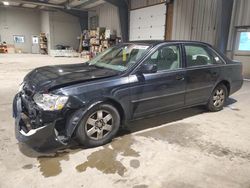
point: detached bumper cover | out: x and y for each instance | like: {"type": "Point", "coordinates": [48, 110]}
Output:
{"type": "Point", "coordinates": [43, 138]}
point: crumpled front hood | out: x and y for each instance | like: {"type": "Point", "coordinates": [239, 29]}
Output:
{"type": "Point", "coordinates": [52, 77]}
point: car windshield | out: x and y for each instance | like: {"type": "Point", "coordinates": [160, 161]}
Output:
{"type": "Point", "coordinates": [120, 58]}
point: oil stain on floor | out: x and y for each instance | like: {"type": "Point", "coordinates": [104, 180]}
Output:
{"type": "Point", "coordinates": [105, 160]}
{"type": "Point", "coordinates": [50, 166]}
{"type": "Point", "coordinates": [135, 163]}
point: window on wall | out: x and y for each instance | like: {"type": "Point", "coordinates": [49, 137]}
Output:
{"type": "Point", "coordinates": [18, 38]}
{"type": "Point", "coordinates": [243, 40]}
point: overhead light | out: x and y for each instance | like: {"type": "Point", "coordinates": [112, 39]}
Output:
{"type": "Point", "coordinates": [6, 3]}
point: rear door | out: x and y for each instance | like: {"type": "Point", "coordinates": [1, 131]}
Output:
{"type": "Point", "coordinates": [163, 90]}
{"type": "Point", "coordinates": [202, 72]}
{"type": "Point", "coordinates": [35, 44]}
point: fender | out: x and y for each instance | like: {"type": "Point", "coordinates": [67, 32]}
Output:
{"type": "Point", "coordinates": [76, 118]}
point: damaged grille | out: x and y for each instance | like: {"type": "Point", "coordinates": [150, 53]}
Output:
{"type": "Point", "coordinates": [28, 106]}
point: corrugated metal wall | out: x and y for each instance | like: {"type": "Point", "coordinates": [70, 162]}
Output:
{"type": "Point", "coordinates": [108, 17]}
{"type": "Point", "coordinates": [242, 14]}
{"type": "Point", "coordinates": [240, 18]}
{"type": "Point", "coordinates": [196, 20]}
{"type": "Point", "coordinates": [134, 4]}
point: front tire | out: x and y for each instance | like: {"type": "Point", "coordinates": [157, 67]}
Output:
{"type": "Point", "coordinates": [217, 98]}
{"type": "Point", "coordinates": [98, 126]}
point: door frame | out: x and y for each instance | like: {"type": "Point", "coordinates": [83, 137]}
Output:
{"type": "Point", "coordinates": [169, 20]}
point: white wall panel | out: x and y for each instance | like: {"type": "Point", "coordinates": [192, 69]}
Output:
{"type": "Point", "coordinates": [148, 23]}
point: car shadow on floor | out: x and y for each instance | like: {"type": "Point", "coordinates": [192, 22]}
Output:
{"type": "Point", "coordinates": [166, 118]}
{"type": "Point", "coordinates": [133, 127]}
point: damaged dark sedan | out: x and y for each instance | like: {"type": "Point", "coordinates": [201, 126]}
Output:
{"type": "Point", "coordinates": [89, 102]}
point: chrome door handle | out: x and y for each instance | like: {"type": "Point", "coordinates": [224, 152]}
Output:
{"type": "Point", "coordinates": [179, 77]}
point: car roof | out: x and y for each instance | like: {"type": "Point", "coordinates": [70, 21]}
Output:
{"type": "Point", "coordinates": [156, 42]}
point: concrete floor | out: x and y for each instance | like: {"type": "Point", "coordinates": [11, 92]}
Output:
{"type": "Point", "coordinates": [183, 149]}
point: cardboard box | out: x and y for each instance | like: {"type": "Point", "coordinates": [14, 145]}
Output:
{"type": "Point", "coordinates": [11, 49]}
{"type": "Point", "coordinates": [92, 33]}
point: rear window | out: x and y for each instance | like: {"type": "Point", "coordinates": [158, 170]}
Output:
{"type": "Point", "coordinates": [197, 56]}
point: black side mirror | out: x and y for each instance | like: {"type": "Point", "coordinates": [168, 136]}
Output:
{"type": "Point", "coordinates": [148, 68]}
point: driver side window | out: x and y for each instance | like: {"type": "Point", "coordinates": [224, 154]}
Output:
{"type": "Point", "coordinates": [166, 58]}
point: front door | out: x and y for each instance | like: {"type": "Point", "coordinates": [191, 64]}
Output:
{"type": "Point", "coordinates": [35, 44]}
{"type": "Point", "coordinates": [160, 91]}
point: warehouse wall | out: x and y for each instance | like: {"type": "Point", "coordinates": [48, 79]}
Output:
{"type": "Point", "coordinates": [15, 21]}
{"type": "Point", "coordinates": [240, 19]}
{"type": "Point", "coordinates": [61, 28]}
{"type": "Point", "coordinates": [64, 29]}
{"type": "Point", "coordinates": [196, 20]}
{"type": "Point", "coordinates": [108, 17]}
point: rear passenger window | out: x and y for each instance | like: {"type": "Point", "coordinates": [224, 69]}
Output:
{"type": "Point", "coordinates": [197, 56]}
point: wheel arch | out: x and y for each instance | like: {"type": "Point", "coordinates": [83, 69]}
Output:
{"type": "Point", "coordinates": [75, 119]}
{"type": "Point", "coordinates": [118, 106]}
{"type": "Point", "coordinates": [227, 84]}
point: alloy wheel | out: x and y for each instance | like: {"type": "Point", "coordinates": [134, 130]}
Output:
{"type": "Point", "coordinates": [99, 124]}
{"type": "Point", "coordinates": [219, 97]}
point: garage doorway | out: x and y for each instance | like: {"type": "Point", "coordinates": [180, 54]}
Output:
{"type": "Point", "coordinates": [148, 23]}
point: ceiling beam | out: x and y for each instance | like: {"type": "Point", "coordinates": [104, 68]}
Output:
{"type": "Point", "coordinates": [86, 3]}
{"type": "Point", "coordinates": [80, 2]}
{"type": "Point", "coordinates": [45, 3]}
{"type": "Point", "coordinates": [36, 3]}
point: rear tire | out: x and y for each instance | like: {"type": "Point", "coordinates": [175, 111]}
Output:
{"type": "Point", "coordinates": [217, 98]}
{"type": "Point", "coordinates": [98, 126]}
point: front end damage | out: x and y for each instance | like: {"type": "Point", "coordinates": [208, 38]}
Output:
{"type": "Point", "coordinates": [44, 130]}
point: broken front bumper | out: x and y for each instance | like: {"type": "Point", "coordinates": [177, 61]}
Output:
{"type": "Point", "coordinates": [41, 138]}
